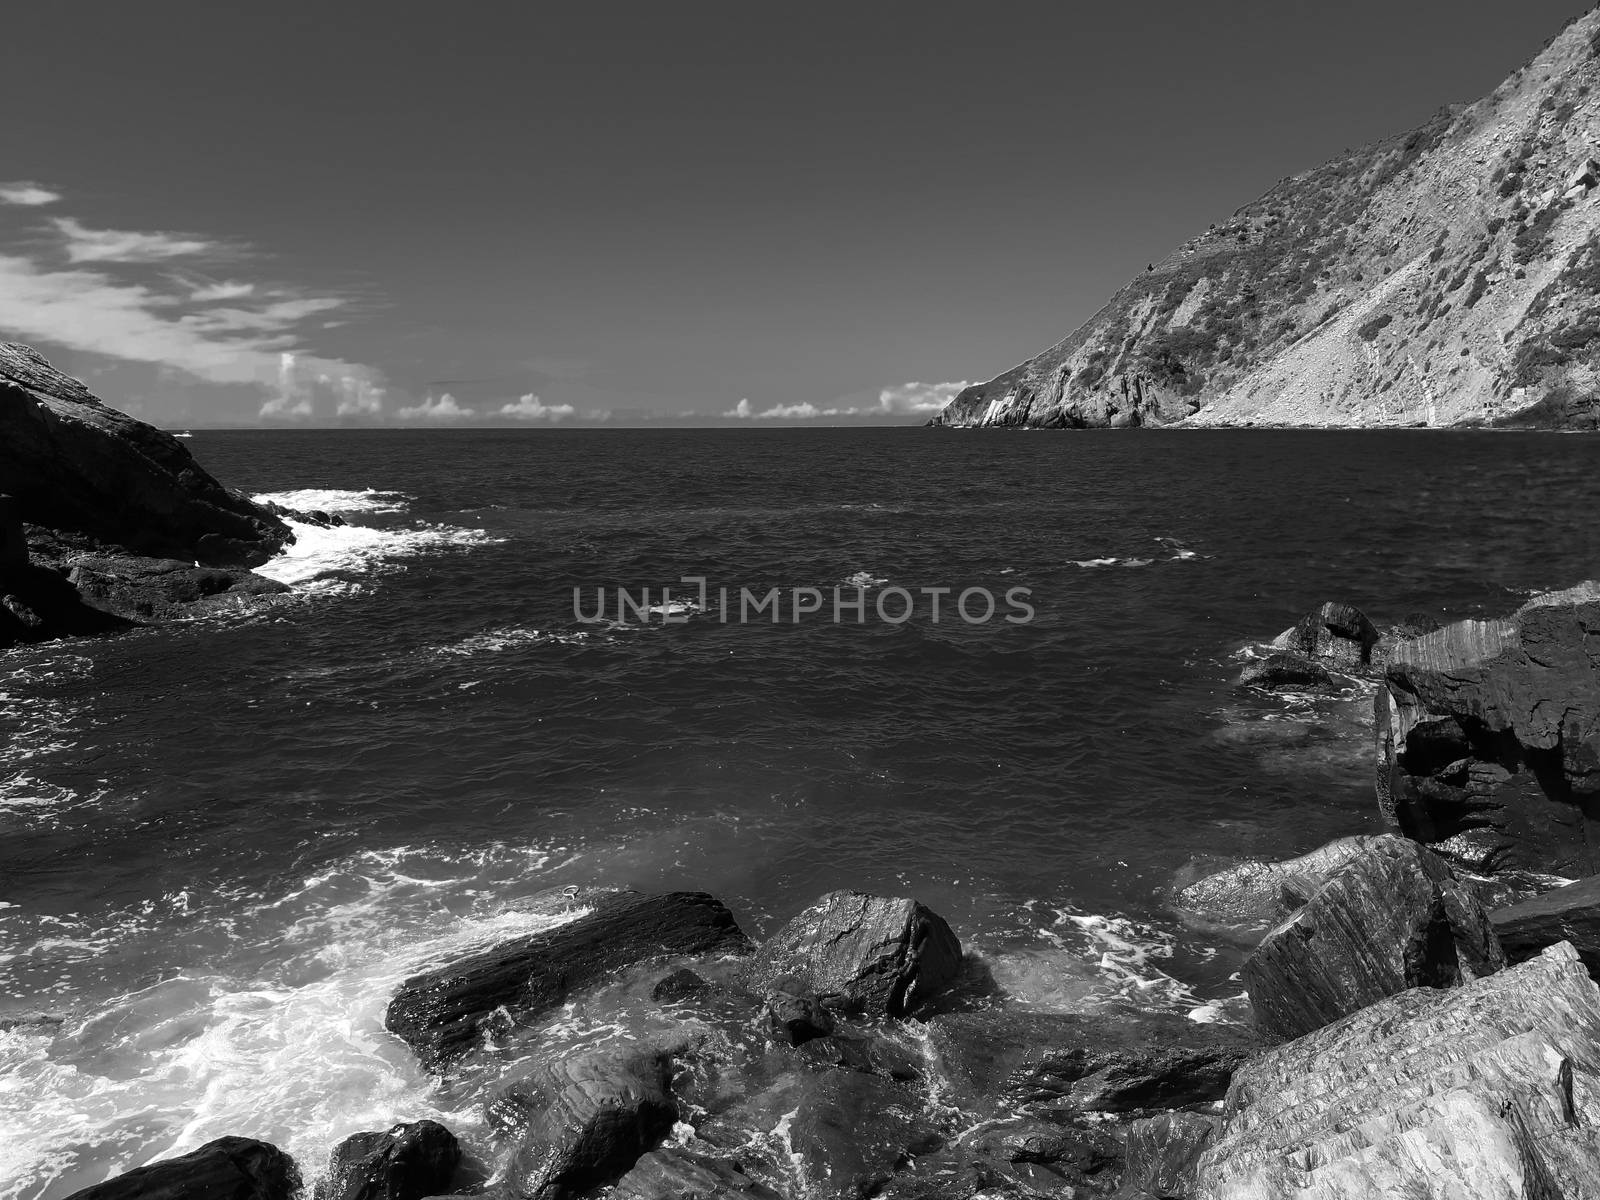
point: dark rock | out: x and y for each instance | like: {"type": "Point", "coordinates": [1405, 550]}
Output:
{"type": "Point", "coordinates": [1488, 1090]}
{"type": "Point", "coordinates": [852, 1131]}
{"type": "Point", "coordinates": [443, 1013]}
{"type": "Point", "coordinates": [1285, 671]}
{"type": "Point", "coordinates": [857, 1051]}
{"type": "Point", "coordinates": [863, 954]}
{"type": "Point", "coordinates": [1393, 917]}
{"type": "Point", "coordinates": [230, 1168]}
{"type": "Point", "coordinates": [1118, 1061]}
{"type": "Point", "coordinates": [682, 984]}
{"type": "Point", "coordinates": [406, 1162]}
{"type": "Point", "coordinates": [586, 1121]}
{"type": "Point", "coordinates": [153, 589]}
{"type": "Point", "coordinates": [31, 1022]}
{"type": "Point", "coordinates": [1071, 1147]}
{"type": "Point", "coordinates": [1163, 1153]}
{"type": "Point", "coordinates": [13, 545]}
{"type": "Point", "coordinates": [74, 464]}
{"type": "Point", "coordinates": [1488, 736]}
{"type": "Point", "coordinates": [676, 1174]}
{"type": "Point", "coordinates": [1337, 633]}
{"type": "Point", "coordinates": [794, 1016]}
{"type": "Point", "coordinates": [1261, 894]}
{"type": "Point", "coordinates": [1567, 914]}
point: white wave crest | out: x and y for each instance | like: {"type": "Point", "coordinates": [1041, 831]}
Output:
{"type": "Point", "coordinates": [326, 559]}
{"type": "Point", "coordinates": [337, 500]}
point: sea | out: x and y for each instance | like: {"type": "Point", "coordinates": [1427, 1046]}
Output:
{"type": "Point", "coordinates": [223, 842]}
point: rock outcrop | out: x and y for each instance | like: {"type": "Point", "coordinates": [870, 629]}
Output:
{"type": "Point", "coordinates": [1393, 917]}
{"type": "Point", "coordinates": [1259, 894]}
{"type": "Point", "coordinates": [406, 1162]}
{"type": "Point", "coordinates": [444, 1013]}
{"type": "Point", "coordinates": [862, 954]}
{"type": "Point", "coordinates": [1489, 738]}
{"type": "Point", "coordinates": [1488, 1090]}
{"type": "Point", "coordinates": [230, 1168]}
{"type": "Point", "coordinates": [1568, 914]}
{"type": "Point", "coordinates": [1446, 276]}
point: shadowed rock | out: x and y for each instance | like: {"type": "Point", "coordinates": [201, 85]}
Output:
{"type": "Point", "coordinates": [444, 1013]}
{"type": "Point", "coordinates": [863, 954]}
{"type": "Point", "coordinates": [794, 1016]}
{"type": "Point", "coordinates": [675, 1174]}
{"type": "Point", "coordinates": [1163, 1153]}
{"type": "Point", "coordinates": [406, 1162]}
{"type": "Point", "coordinates": [1336, 633]}
{"type": "Point", "coordinates": [1567, 914]}
{"type": "Point", "coordinates": [1392, 917]}
{"type": "Point", "coordinates": [1283, 671]}
{"type": "Point", "coordinates": [852, 1131]}
{"type": "Point", "coordinates": [230, 1168]}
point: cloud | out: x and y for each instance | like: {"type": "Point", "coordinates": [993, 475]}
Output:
{"type": "Point", "coordinates": [741, 410]}
{"type": "Point", "coordinates": [529, 408]}
{"type": "Point", "coordinates": [918, 397]}
{"type": "Point", "coordinates": [221, 291]}
{"type": "Point", "coordinates": [28, 195]}
{"type": "Point", "coordinates": [444, 408]}
{"type": "Point", "coordinates": [901, 399]}
{"type": "Point", "coordinates": [85, 245]}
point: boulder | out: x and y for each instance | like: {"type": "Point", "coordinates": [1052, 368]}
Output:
{"type": "Point", "coordinates": [857, 1050]}
{"type": "Point", "coordinates": [585, 1121]}
{"type": "Point", "coordinates": [672, 1173]}
{"type": "Point", "coordinates": [445, 1012]}
{"type": "Point", "coordinates": [1163, 1153]}
{"type": "Point", "coordinates": [794, 1016]}
{"type": "Point", "coordinates": [1283, 671]}
{"type": "Point", "coordinates": [1567, 914]}
{"type": "Point", "coordinates": [405, 1162]}
{"type": "Point", "coordinates": [1257, 894]}
{"type": "Point", "coordinates": [1337, 633]}
{"type": "Point", "coordinates": [230, 1168]}
{"type": "Point", "coordinates": [1391, 918]}
{"type": "Point", "coordinates": [73, 464]}
{"type": "Point", "coordinates": [863, 954]}
{"type": "Point", "coordinates": [682, 984]}
{"type": "Point", "coordinates": [852, 1131]}
{"type": "Point", "coordinates": [1086, 1151]}
{"type": "Point", "coordinates": [1488, 738]}
{"type": "Point", "coordinates": [1487, 1090]}
{"type": "Point", "coordinates": [1116, 1061]}
{"type": "Point", "coordinates": [144, 590]}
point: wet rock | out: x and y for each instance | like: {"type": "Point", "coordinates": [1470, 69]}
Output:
{"type": "Point", "coordinates": [230, 1168]}
{"type": "Point", "coordinates": [1027, 1140]}
{"type": "Point", "coordinates": [964, 1172]}
{"type": "Point", "coordinates": [858, 1051]}
{"type": "Point", "coordinates": [1488, 1090]}
{"type": "Point", "coordinates": [1283, 671]}
{"type": "Point", "coordinates": [144, 590]}
{"type": "Point", "coordinates": [863, 954]}
{"type": "Point", "coordinates": [1163, 1153]}
{"type": "Point", "coordinates": [444, 1013]}
{"type": "Point", "coordinates": [1567, 914]}
{"type": "Point", "coordinates": [1336, 633]}
{"type": "Point", "coordinates": [682, 984]}
{"type": "Point", "coordinates": [405, 1162]}
{"type": "Point", "coordinates": [1115, 1061]}
{"type": "Point", "coordinates": [31, 1023]}
{"type": "Point", "coordinates": [1488, 737]}
{"type": "Point", "coordinates": [852, 1131]}
{"type": "Point", "coordinates": [794, 1016]}
{"type": "Point", "coordinates": [1392, 917]}
{"type": "Point", "coordinates": [1261, 894]}
{"type": "Point", "coordinates": [585, 1121]}
{"type": "Point", "coordinates": [676, 1174]}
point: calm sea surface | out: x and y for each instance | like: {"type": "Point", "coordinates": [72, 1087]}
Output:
{"type": "Point", "coordinates": [222, 842]}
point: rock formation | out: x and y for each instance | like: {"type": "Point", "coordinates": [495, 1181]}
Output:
{"type": "Point", "coordinates": [230, 1168]}
{"type": "Point", "coordinates": [406, 1162]}
{"type": "Point", "coordinates": [1446, 276]}
{"type": "Point", "coordinates": [1568, 914]}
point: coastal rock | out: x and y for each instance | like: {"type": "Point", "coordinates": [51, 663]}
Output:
{"type": "Point", "coordinates": [445, 1012]}
{"type": "Point", "coordinates": [1258, 894]}
{"type": "Point", "coordinates": [74, 464]}
{"type": "Point", "coordinates": [1488, 737]}
{"type": "Point", "coordinates": [1488, 1090]}
{"type": "Point", "coordinates": [682, 984]}
{"type": "Point", "coordinates": [142, 590]}
{"type": "Point", "coordinates": [852, 1131]}
{"type": "Point", "coordinates": [794, 1016]}
{"type": "Point", "coordinates": [863, 954]}
{"type": "Point", "coordinates": [676, 1174]}
{"type": "Point", "coordinates": [1336, 633]}
{"type": "Point", "coordinates": [1116, 1061]}
{"type": "Point", "coordinates": [230, 1168]}
{"type": "Point", "coordinates": [585, 1120]}
{"type": "Point", "coordinates": [1085, 1151]}
{"type": "Point", "coordinates": [856, 1050]}
{"type": "Point", "coordinates": [1393, 917]}
{"type": "Point", "coordinates": [405, 1162]}
{"type": "Point", "coordinates": [1163, 1154]}
{"type": "Point", "coordinates": [1568, 914]}
{"type": "Point", "coordinates": [1284, 671]}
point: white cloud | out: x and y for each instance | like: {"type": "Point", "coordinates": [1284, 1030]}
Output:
{"type": "Point", "coordinates": [28, 195]}
{"type": "Point", "coordinates": [444, 408]}
{"type": "Point", "coordinates": [741, 410]}
{"type": "Point", "coordinates": [918, 397]}
{"type": "Point", "coordinates": [529, 408]}
{"type": "Point", "coordinates": [221, 291]}
{"type": "Point", "coordinates": [125, 245]}
{"type": "Point", "coordinates": [902, 399]}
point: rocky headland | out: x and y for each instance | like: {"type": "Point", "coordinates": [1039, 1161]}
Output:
{"type": "Point", "coordinates": [1449, 276]}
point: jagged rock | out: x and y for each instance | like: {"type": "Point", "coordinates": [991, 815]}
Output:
{"type": "Point", "coordinates": [1488, 737]}
{"type": "Point", "coordinates": [1284, 670]}
{"type": "Point", "coordinates": [675, 1174]}
{"type": "Point", "coordinates": [858, 1051]}
{"type": "Point", "coordinates": [585, 1121]}
{"type": "Point", "coordinates": [443, 1013]}
{"type": "Point", "coordinates": [1488, 1090]}
{"type": "Point", "coordinates": [230, 1168]}
{"type": "Point", "coordinates": [1261, 894]}
{"type": "Point", "coordinates": [405, 1162]}
{"type": "Point", "coordinates": [1163, 1153]}
{"type": "Point", "coordinates": [74, 464]}
{"type": "Point", "coordinates": [794, 1016]}
{"type": "Point", "coordinates": [682, 984]}
{"type": "Point", "coordinates": [1117, 1061]}
{"type": "Point", "coordinates": [1393, 917]}
{"type": "Point", "coordinates": [852, 1131]}
{"type": "Point", "coordinates": [863, 954]}
{"type": "Point", "coordinates": [1567, 914]}
{"type": "Point", "coordinates": [1338, 633]}
{"type": "Point", "coordinates": [142, 590]}
{"type": "Point", "coordinates": [1028, 1140]}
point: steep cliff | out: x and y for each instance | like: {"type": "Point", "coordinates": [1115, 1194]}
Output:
{"type": "Point", "coordinates": [1448, 276]}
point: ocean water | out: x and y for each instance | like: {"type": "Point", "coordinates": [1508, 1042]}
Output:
{"type": "Point", "coordinates": [223, 842]}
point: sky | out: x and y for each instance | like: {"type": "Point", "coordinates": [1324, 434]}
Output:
{"type": "Point", "coordinates": [700, 212]}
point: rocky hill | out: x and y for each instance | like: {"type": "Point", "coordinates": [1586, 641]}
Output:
{"type": "Point", "coordinates": [1447, 276]}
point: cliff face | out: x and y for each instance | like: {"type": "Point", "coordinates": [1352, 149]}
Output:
{"type": "Point", "coordinates": [1448, 276]}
